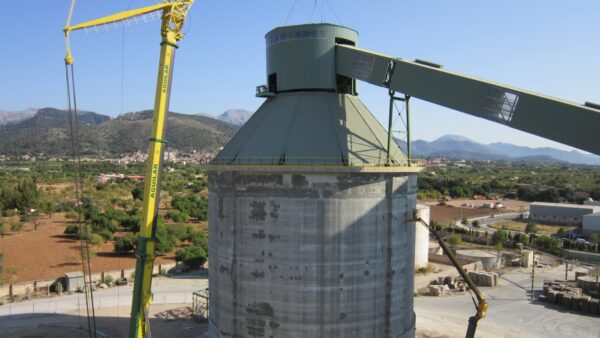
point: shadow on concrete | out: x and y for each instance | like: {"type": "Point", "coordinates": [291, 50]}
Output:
{"type": "Point", "coordinates": [171, 323]}
{"type": "Point", "coordinates": [562, 309]}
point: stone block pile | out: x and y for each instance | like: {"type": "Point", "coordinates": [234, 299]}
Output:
{"type": "Point", "coordinates": [482, 278]}
{"type": "Point", "coordinates": [442, 285]}
{"type": "Point", "coordinates": [567, 295]}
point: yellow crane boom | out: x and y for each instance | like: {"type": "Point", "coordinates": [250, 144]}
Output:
{"type": "Point", "coordinates": [173, 16]}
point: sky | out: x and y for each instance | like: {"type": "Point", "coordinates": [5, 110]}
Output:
{"type": "Point", "coordinates": [548, 46]}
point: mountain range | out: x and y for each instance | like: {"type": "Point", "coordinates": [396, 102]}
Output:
{"type": "Point", "coordinates": [7, 116]}
{"type": "Point", "coordinates": [35, 131]}
{"type": "Point", "coordinates": [459, 147]}
{"type": "Point", "coordinates": [235, 116]}
{"type": "Point", "coordinates": [47, 132]}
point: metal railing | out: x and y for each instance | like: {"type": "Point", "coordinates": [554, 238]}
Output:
{"type": "Point", "coordinates": [361, 161]}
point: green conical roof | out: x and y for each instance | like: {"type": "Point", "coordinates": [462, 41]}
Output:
{"type": "Point", "coordinates": [311, 128]}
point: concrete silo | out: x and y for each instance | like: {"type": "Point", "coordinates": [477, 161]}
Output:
{"type": "Point", "coordinates": [308, 230]}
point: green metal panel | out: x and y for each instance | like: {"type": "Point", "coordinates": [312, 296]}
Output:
{"type": "Point", "coordinates": [558, 120]}
{"type": "Point", "coordinates": [303, 56]}
{"type": "Point", "coordinates": [310, 128]}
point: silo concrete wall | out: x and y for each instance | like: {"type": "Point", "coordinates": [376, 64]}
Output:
{"type": "Point", "coordinates": [311, 254]}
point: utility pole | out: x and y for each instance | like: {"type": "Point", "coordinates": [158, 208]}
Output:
{"type": "Point", "coordinates": [532, 276]}
{"type": "Point", "coordinates": [566, 270]}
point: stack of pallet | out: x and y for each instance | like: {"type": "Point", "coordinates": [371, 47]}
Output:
{"type": "Point", "coordinates": [482, 278]}
{"type": "Point", "coordinates": [568, 296]}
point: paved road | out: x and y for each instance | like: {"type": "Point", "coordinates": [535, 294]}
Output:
{"type": "Point", "coordinates": [510, 313]}
{"type": "Point", "coordinates": [166, 291]}
{"type": "Point", "coordinates": [485, 221]}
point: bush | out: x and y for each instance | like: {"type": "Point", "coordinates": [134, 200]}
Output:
{"type": "Point", "coordinates": [531, 228]}
{"type": "Point", "coordinates": [108, 279]}
{"type": "Point", "coordinates": [96, 239]}
{"type": "Point", "coordinates": [25, 218]}
{"type": "Point", "coordinates": [546, 242]}
{"type": "Point", "coordinates": [193, 256]}
{"type": "Point", "coordinates": [125, 244]}
{"type": "Point", "coordinates": [72, 215]}
{"type": "Point", "coordinates": [179, 232]}
{"type": "Point", "coordinates": [198, 239]}
{"type": "Point", "coordinates": [8, 213]}
{"type": "Point", "coordinates": [476, 224]}
{"type": "Point", "coordinates": [178, 216]}
{"type": "Point", "coordinates": [16, 226]}
{"type": "Point", "coordinates": [455, 240]}
{"type": "Point", "coordinates": [71, 229]}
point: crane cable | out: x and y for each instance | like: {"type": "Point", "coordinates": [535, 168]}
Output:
{"type": "Point", "coordinates": [83, 229]}
{"type": "Point", "coordinates": [76, 156]}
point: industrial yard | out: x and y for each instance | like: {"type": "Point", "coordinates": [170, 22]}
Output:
{"type": "Point", "coordinates": [511, 312]}
{"type": "Point", "coordinates": [436, 316]}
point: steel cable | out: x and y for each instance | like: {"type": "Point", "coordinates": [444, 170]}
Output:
{"type": "Point", "coordinates": [76, 155]}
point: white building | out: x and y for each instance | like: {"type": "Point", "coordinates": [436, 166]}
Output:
{"type": "Point", "coordinates": [560, 213]}
{"type": "Point", "coordinates": [591, 202]}
{"type": "Point", "coordinates": [422, 238]}
{"type": "Point", "coordinates": [591, 223]}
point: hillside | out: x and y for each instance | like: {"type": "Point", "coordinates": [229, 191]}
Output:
{"type": "Point", "coordinates": [130, 132]}
{"type": "Point", "coordinates": [47, 133]}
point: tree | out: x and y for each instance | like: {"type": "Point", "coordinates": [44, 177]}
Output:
{"type": "Point", "coordinates": [137, 193]}
{"type": "Point", "coordinates": [192, 205]}
{"type": "Point", "coordinates": [561, 232]}
{"type": "Point", "coordinates": [476, 224]}
{"type": "Point", "coordinates": [71, 229]}
{"type": "Point", "coordinates": [531, 228]}
{"type": "Point", "coordinates": [594, 238]}
{"type": "Point", "coordinates": [2, 229]}
{"type": "Point", "coordinates": [521, 238]}
{"type": "Point", "coordinates": [29, 195]}
{"type": "Point", "coordinates": [464, 221]}
{"type": "Point", "coordinates": [49, 209]}
{"type": "Point", "coordinates": [164, 242]}
{"type": "Point", "coordinates": [500, 236]}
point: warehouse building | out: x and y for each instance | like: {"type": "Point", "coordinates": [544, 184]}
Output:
{"type": "Point", "coordinates": [560, 213]}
